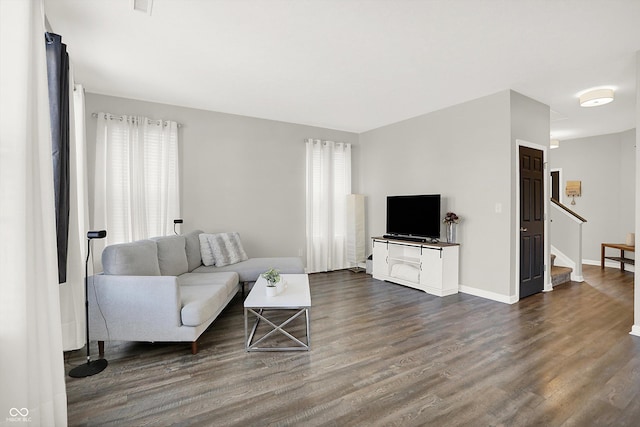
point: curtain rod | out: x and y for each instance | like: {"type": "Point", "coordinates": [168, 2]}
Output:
{"type": "Point", "coordinates": [95, 116]}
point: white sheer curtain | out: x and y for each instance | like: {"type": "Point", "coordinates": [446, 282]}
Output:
{"type": "Point", "coordinates": [31, 357]}
{"type": "Point", "coordinates": [137, 179]}
{"type": "Point", "coordinates": [72, 291]}
{"type": "Point", "coordinates": [328, 184]}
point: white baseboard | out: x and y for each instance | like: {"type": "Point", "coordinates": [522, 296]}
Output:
{"type": "Point", "coordinates": [609, 263]}
{"type": "Point", "coordinates": [635, 330]}
{"type": "Point", "coordinates": [488, 295]}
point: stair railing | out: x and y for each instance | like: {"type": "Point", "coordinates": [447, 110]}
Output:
{"type": "Point", "coordinates": [566, 238]}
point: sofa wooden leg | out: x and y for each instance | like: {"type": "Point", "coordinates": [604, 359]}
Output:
{"type": "Point", "coordinates": [194, 347]}
{"type": "Point", "coordinates": [101, 348]}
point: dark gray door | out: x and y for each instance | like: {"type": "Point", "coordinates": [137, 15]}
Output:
{"type": "Point", "coordinates": [531, 221]}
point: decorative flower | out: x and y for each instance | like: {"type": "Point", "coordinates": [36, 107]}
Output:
{"type": "Point", "coordinates": [451, 218]}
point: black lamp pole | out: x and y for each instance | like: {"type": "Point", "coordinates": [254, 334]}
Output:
{"type": "Point", "coordinates": [176, 221]}
{"type": "Point", "coordinates": [96, 366]}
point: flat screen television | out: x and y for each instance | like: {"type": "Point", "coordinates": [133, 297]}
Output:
{"type": "Point", "coordinates": [414, 216]}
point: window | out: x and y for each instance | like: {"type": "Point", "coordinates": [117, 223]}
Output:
{"type": "Point", "coordinates": [137, 177]}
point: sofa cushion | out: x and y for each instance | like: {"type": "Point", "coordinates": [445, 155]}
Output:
{"type": "Point", "coordinates": [193, 249]}
{"type": "Point", "coordinates": [221, 249]}
{"type": "Point", "coordinates": [138, 258]}
{"type": "Point", "coordinates": [172, 255]}
{"type": "Point", "coordinates": [250, 270]}
{"type": "Point", "coordinates": [202, 295]}
{"type": "Point", "coordinates": [229, 280]}
{"type": "Point", "coordinates": [200, 302]}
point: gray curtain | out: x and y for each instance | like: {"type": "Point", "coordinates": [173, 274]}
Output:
{"type": "Point", "coordinates": [58, 76]}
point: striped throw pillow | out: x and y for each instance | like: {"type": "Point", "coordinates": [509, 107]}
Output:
{"type": "Point", "coordinates": [221, 249]}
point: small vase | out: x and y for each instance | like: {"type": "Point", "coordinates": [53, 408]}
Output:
{"type": "Point", "coordinates": [451, 232]}
{"type": "Point", "coordinates": [272, 291]}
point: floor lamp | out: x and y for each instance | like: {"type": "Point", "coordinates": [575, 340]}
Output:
{"type": "Point", "coordinates": [176, 221]}
{"type": "Point", "coordinates": [96, 366]}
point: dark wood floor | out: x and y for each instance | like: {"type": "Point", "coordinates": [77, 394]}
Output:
{"type": "Point", "coordinates": [383, 354]}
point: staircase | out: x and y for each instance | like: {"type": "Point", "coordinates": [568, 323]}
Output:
{"type": "Point", "coordinates": [565, 233]}
{"type": "Point", "coordinates": [559, 275]}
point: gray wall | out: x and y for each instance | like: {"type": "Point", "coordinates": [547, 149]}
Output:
{"type": "Point", "coordinates": [238, 173]}
{"type": "Point", "coordinates": [466, 153]}
{"type": "Point", "coordinates": [247, 175]}
{"type": "Point", "coordinates": [606, 166]}
{"type": "Point", "coordinates": [462, 153]}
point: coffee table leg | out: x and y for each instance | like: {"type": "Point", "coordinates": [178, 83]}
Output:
{"type": "Point", "coordinates": [250, 345]}
{"type": "Point", "coordinates": [308, 316]}
{"type": "Point", "coordinates": [246, 331]}
{"type": "Point", "coordinates": [249, 336]}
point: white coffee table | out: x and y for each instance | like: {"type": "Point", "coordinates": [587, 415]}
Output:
{"type": "Point", "coordinates": [296, 296]}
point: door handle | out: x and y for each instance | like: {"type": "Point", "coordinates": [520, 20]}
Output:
{"type": "Point", "coordinates": [523, 229]}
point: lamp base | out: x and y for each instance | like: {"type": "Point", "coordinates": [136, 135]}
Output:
{"type": "Point", "coordinates": [89, 368]}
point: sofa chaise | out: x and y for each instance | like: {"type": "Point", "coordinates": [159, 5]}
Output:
{"type": "Point", "coordinates": [159, 290]}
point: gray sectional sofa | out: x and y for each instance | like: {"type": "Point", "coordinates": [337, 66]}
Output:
{"type": "Point", "coordinates": [158, 290]}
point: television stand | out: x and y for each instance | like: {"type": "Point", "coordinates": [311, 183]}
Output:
{"type": "Point", "coordinates": [429, 267]}
{"type": "Point", "coordinates": [406, 238]}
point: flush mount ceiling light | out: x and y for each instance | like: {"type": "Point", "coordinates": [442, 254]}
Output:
{"type": "Point", "coordinates": [596, 97]}
{"type": "Point", "coordinates": [554, 143]}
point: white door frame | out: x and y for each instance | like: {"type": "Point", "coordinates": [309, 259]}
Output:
{"type": "Point", "coordinates": [561, 193]}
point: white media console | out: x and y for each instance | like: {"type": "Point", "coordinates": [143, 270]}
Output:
{"type": "Point", "coordinates": [430, 267]}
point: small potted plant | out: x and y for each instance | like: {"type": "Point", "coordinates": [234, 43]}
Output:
{"type": "Point", "coordinates": [272, 276]}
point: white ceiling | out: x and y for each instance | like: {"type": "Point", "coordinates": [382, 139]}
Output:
{"type": "Point", "coordinates": [357, 65]}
